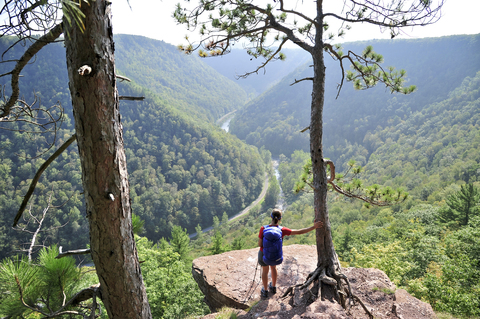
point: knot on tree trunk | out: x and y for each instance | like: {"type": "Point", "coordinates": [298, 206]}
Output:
{"type": "Point", "coordinates": [85, 70]}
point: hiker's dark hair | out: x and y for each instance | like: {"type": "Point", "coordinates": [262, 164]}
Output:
{"type": "Point", "coordinates": [276, 215]}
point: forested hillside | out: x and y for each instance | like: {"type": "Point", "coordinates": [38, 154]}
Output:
{"type": "Point", "coordinates": [183, 170]}
{"type": "Point", "coordinates": [433, 147]}
{"type": "Point", "coordinates": [181, 80]}
{"type": "Point", "coordinates": [436, 66]}
{"type": "Point", "coordinates": [183, 173]}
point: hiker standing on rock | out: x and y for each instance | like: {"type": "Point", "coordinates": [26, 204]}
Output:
{"type": "Point", "coordinates": [270, 254]}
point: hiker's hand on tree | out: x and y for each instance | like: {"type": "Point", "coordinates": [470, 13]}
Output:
{"type": "Point", "coordinates": [318, 224]}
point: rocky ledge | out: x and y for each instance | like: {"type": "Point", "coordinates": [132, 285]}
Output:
{"type": "Point", "coordinates": [232, 280]}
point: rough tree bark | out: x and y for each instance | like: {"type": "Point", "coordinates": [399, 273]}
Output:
{"type": "Point", "coordinates": [91, 71]}
{"type": "Point", "coordinates": [328, 263]}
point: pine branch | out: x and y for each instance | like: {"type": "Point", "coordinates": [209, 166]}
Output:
{"type": "Point", "coordinates": [374, 194]}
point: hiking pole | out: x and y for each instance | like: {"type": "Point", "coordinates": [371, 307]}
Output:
{"type": "Point", "coordinates": [253, 282]}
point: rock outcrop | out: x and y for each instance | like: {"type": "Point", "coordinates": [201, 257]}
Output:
{"type": "Point", "coordinates": [233, 280]}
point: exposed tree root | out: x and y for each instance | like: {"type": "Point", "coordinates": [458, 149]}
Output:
{"type": "Point", "coordinates": [363, 306]}
{"type": "Point", "coordinates": [335, 280]}
{"type": "Point", "coordinates": [339, 277]}
{"type": "Point", "coordinates": [290, 291]}
{"type": "Point", "coordinates": [312, 276]}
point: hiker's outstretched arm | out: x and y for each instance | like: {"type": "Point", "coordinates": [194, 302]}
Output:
{"type": "Point", "coordinates": [306, 230]}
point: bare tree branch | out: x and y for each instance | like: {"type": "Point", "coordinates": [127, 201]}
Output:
{"type": "Point", "coordinates": [83, 295]}
{"type": "Point", "coordinates": [122, 78]}
{"type": "Point", "coordinates": [24, 19]}
{"type": "Point", "coordinates": [294, 12]}
{"type": "Point", "coordinates": [31, 51]}
{"type": "Point", "coordinates": [262, 66]}
{"type": "Point", "coordinates": [131, 98]}
{"type": "Point", "coordinates": [72, 252]}
{"type": "Point", "coordinates": [38, 174]}
{"type": "Point", "coordinates": [392, 15]}
{"type": "Point", "coordinates": [44, 119]}
{"type": "Point", "coordinates": [305, 129]}
{"type": "Point", "coordinates": [298, 81]}
{"type": "Point", "coordinates": [40, 222]}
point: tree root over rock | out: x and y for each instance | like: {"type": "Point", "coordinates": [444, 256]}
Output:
{"type": "Point", "coordinates": [334, 279]}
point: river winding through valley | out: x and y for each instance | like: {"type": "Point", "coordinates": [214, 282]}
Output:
{"type": "Point", "coordinates": [224, 123]}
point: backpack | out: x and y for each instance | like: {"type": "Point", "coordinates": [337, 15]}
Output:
{"type": "Point", "coordinates": [272, 245]}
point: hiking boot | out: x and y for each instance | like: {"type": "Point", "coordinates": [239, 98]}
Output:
{"type": "Point", "coordinates": [264, 293]}
{"type": "Point", "coordinates": [272, 289]}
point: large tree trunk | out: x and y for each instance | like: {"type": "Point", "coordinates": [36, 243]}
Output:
{"type": "Point", "coordinates": [328, 263]}
{"type": "Point", "coordinates": [104, 171]}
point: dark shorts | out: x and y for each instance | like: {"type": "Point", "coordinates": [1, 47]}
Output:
{"type": "Point", "coordinates": [260, 259]}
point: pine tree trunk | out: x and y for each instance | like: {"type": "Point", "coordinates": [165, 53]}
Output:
{"type": "Point", "coordinates": [327, 258]}
{"type": "Point", "coordinates": [104, 171]}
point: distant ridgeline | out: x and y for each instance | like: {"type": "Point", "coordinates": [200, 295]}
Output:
{"type": "Point", "coordinates": [435, 65]}
{"type": "Point", "coordinates": [183, 170]}
{"type": "Point", "coordinates": [182, 81]}
{"type": "Point", "coordinates": [237, 63]}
